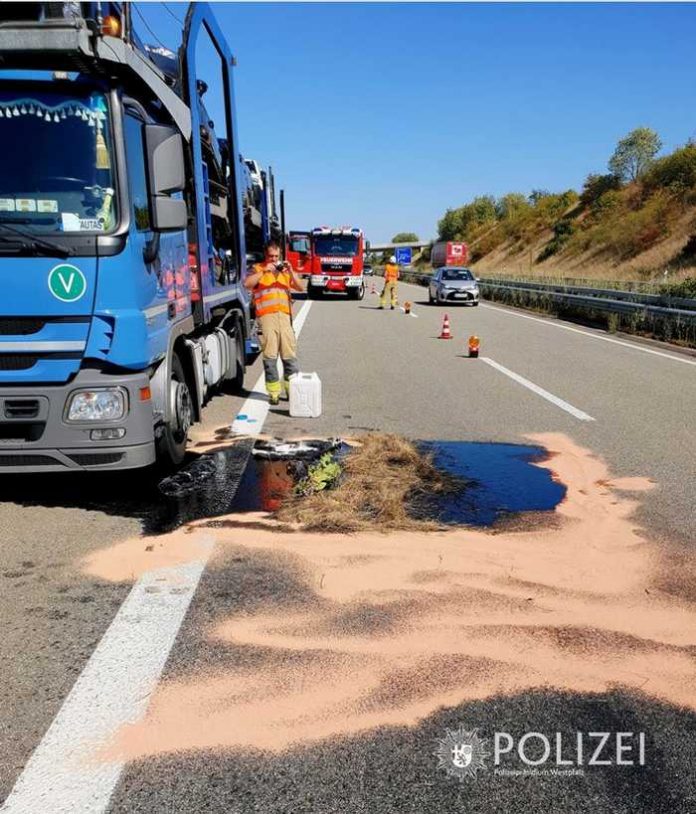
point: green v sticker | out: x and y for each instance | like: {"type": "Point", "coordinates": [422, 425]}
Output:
{"type": "Point", "coordinates": [67, 283]}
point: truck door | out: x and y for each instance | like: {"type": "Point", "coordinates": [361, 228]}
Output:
{"type": "Point", "coordinates": [162, 288]}
{"type": "Point", "coordinates": [217, 199]}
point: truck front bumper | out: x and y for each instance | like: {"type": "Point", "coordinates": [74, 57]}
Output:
{"type": "Point", "coordinates": [35, 435]}
{"type": "Point", "coordinates": [337, 282]}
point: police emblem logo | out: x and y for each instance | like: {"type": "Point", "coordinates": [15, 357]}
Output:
{"type": "Point", "coordinates": [461, 753]}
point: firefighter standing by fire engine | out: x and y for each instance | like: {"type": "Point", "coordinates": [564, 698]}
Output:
{"type": "Point", "coordinates": [391, 275]}
{"type": "Point", "coordinates": [271, 283]}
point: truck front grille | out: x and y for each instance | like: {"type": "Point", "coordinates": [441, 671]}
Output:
{"type": "Point", "coordinates": [24, 361]}
{"type": "Point", "coordinates": [20, 326]}
{"type": "Point", "coordinates": [16, 361]}
{"type": "Point", "coordinates": [21, 408]}
{"type": "Point", "coordinates": [337, 268]}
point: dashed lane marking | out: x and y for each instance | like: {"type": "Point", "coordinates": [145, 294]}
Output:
{"type": "Point", "coordinates": [630, 345]}
{"type": "Point", "coordinates": [63, 775]}
{"type": "Point", "coordinates": [579, 414]}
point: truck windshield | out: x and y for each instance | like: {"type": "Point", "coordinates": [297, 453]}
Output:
{"type": "Point", "coordinates": [336, 246]}
{"type": "Point", "coordinates": [56, 161]}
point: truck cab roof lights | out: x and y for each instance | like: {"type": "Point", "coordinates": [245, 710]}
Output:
{"type": "Point", "coordinates": [111, 26]}
{"type": "Point", "coordinates": [345, 230]}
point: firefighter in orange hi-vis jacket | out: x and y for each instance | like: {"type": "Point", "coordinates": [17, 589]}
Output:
{"type": "Point", "coordinates": [271, 283]}
{"type": "Point", "coordinates": [391, 275]}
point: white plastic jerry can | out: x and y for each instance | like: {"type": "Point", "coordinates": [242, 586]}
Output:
{"type": "Point", "coordinates": [305, 395]}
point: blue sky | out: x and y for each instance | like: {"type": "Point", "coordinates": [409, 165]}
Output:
{"type": "Point", "coordinates": [382, 115]}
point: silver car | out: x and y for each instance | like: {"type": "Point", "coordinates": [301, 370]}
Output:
{"type": "Point", "coordinates": [453, 284]}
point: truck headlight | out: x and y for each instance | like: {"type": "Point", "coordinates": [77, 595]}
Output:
{"type": "Point", "coordinates": [108, 404]}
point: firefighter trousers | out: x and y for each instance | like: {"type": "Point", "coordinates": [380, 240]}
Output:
{"type": "Point", "coordinates": [278, 339]}
{"type": "Point", "coordinates": [389, 289]}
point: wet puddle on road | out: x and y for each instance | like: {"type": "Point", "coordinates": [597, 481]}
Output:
{"type": "Point", "coordinates": [497, 480]}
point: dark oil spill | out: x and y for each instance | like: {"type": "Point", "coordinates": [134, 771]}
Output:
{"type": "Point", "coordinates": [266, 483]}
{"type": "Point", "coordinates": [491, 482]}
{"type": "Point", "coordinates": [497, 480]}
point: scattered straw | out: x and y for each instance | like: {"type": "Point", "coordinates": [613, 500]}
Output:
{"type": "Point", "coordinates": [381, 479]}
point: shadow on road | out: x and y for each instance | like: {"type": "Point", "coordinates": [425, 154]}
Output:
{"type": "Point", "coordinates": [204, 487]}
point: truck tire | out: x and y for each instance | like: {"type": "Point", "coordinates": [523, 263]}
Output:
{"type": "Point", "coordinates": [313, 292]}
{"type": "Point", "coordinates": [235, 385]}
{"type": "Point", "coordinates": [171, 445]}
{"type": "Point", "coordinates": [356, 293]}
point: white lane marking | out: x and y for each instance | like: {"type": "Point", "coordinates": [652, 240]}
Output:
{"type": "Point", "coordinates": [63, 775]}
{"type": "Point", "coordinates": [410, 313]}
{"type": "Point", "coordinates": [255, 408]}
{"type": "Point", "coordinates": [629, 345]}
{"type": "Point", "coordinates": [539, 391]}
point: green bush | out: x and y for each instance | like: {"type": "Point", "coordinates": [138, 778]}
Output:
{"type": "Point", "coordinates": [596, 186]}
{"type": "Point", "coordinates": [675, 172]}
{"type": "Point", "coordinates": [608, 202]}
{"type": "Point", "coordinates": [562, 233]}
{"type": "Point", "coordinates": [685, 288]}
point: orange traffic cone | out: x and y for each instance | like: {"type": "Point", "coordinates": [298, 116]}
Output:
{"type": "Point", "coordinates": [474, 345]}
{"type": "Point", "coordinates": [374, 288]}
{"type": "Point", "coordinates": [407, 307]}
{"type": "Point", "coordinates": [445, 334]}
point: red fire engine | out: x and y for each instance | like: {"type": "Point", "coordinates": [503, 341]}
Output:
{"type": "Point", "coordinates": [337, 257]}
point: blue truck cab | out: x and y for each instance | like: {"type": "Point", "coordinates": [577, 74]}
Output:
{"type": "Point", "coordinates": [122, 240]}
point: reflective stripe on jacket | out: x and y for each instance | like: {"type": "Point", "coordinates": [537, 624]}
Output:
{"type": "Point", "coordinates": [391, 273]}
{"type": "Point", "coordinates": [272, 292]}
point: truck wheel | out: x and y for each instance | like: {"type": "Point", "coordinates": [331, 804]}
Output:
{"type": "Point", "coordinates": [313, 292]}
{"type": "Point", "coordinates": [357, 293]}
{"type": "Point", "coordinates": [171, 446]}
{"type": "Point", "coordinates": [235, 385]}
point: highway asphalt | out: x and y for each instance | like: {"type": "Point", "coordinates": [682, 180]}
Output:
{"type": "Point", "coordinates": [629, 403]}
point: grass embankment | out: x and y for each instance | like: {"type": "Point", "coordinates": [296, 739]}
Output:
{"type": "Point", "coordinates": [644, 229]}
{"type": "Point", "coordinates": [382, 479]}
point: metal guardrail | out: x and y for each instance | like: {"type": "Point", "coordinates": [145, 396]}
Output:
{"type": "Point", "coordinates": [607, 300]}
{"type": "Point", "coordinates": [663, 300]}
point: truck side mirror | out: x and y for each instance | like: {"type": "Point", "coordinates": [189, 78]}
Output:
{"type": "Point", "coordinates": [165, 161]}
